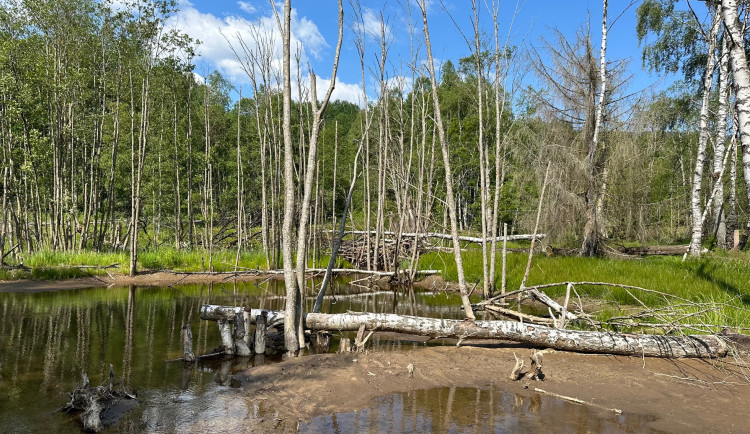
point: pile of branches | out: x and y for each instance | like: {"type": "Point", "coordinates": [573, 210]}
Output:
{"type": "Point", "coordinates": [355, 251]}
{"type": "Point", "coordinates": [93, 401]}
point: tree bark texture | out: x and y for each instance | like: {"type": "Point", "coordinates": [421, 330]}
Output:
{"type": "Point", "coordinates": [603, 342]}
{"type": "Point", "coordinates": [695, 199]}
{"type": "Point", "coordinates": [741, 79]}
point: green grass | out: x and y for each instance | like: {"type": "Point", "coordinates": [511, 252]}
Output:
{"type": "Point", "coordinates": [720, 278]}
{"type": "Point", "coordinates": [714, 278]}
{"type": "Point", "coordinates": [53, 265]}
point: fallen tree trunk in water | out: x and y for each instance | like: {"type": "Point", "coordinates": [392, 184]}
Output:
{"type": "Point", "coordinates": [703, 346]}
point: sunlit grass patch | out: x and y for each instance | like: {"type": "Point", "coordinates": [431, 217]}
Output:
{"type": "Point", "coordinates": [720, 280]}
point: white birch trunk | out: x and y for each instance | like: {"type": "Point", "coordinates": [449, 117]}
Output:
{"type": "Point", "coordinates": [292, 291]}
{"type": "Point", "coordinates": [639, 345]}
{"type": "Point", "coordinates": [741, 80]}
{"type": "Point", "coordinates": [720, 147]}
{"type": "Point", "coordinates": [695, 196]}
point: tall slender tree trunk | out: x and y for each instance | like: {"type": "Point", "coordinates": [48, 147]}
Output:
{"type": "Point", "coordinates": [741, 80]}
{"type": "Point", "coordinates": [591, 245]}
{"type": "Point", "coordinates": [177, 194]}
{"type": "Point", "coordinates": [239, 186]}
{"type": "Point", "coordinates": [695, 197]}
{"type": "Point", "coordinates": [291, 340]}
{"type": "Point", "coordinates": [450, 198]}
{"type": "Point", "coordinates": [719, 210]}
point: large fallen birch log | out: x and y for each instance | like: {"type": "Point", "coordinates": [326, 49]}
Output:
{"type": "Point", "coordinates": [704, 346]}
{"type": "Point", "coordinates": [520, 237]}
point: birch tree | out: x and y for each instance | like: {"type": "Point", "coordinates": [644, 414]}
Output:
{"type": "Point", "coordinates": [695, 198]}
{"type": "Point", "coordinates": [294, 277]}
{"type": "Point", "coordinates": [741, 80]}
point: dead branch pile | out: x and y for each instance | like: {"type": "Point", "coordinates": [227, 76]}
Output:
{"type": "Point", "coordinates": [356, 251]}
{"type": "Point", "coordinates": [93, 401]}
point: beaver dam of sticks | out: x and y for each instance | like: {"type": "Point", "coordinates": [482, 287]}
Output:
{"type": "Point", "coordinates": [231, 328]}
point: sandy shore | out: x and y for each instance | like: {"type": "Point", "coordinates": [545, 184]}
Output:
{"type": "Point", "coordinates": [676, 395]}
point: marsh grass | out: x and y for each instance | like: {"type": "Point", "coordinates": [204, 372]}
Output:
{"type": "Point", "coordinates": [720, 279]}
{"type": "Point", "coordinates": [52, 265]}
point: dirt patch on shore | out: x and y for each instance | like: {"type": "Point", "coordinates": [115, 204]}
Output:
{"type": "Point", "coordinates": [676, 395]}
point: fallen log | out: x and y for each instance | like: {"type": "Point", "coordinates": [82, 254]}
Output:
{"type": "Point", "coordinates": [307, 270]}
{"type": "Point", "coordinates": [520, 237]}
{"type": "Point", "coordinates": [602, 342]}
{"type": "Point", "coordinates": [655, 250]}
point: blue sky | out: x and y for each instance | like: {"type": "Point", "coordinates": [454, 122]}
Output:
{"type": "Point", "coordinates": [314, 27]}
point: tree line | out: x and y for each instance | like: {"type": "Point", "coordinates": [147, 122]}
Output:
{"type": "Point", "coordinates": [110, 141]}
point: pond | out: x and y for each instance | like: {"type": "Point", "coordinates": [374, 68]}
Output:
{"type": "Point", "coordinates": [47, 339]}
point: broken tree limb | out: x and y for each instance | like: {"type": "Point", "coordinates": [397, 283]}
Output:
{"type": "Point", "coordinates": [552, 304]}
{"type": "Point", "coordinates": [577, 401]}
{"type": "Point", "coordinates": [187, 344]}
{"type": "Point", "coordinates": [518, 315]}
{"type": "Point", "coordinates": [603, 342]}
{"type": "Point", "coordinates": [519, 237]}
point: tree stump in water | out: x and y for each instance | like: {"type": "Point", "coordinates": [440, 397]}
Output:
{"type": "Point", "coordinates": [345, 345]}
{"type": "Point", "coordinates": [240, 346]}
{"type": "Point", "coordinates": [187, 344]}
{"type": "Point", "coordinates": [94, 401]}
{"type": "Point", "coordinates": [322, 342]}
{"type": "Point", "coordinates": [260, 333]}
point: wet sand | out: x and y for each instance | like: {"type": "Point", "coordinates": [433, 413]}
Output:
{"type": "Point", "coordinates": [672, 395]}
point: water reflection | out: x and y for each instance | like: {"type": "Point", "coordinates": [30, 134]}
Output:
{"type": "Point", "coordinates": [47, 339]}
{"type": "Point", "coordinates": [468, 410]}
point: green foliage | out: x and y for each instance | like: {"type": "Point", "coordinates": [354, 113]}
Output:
{"type": "Point", "coordinates": [678, 44]}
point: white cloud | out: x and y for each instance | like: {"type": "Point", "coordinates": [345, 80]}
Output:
{"type": "Point", "coordinates": [213, 32]}
{"type": "Point", "coordinates": [371, 23]}
{"type": "Point", "coordinates": [246, 7]}
{"type": "Point", "coordinates": [351, 92]}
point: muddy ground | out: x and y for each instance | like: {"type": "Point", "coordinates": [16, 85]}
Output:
{"type": "Point", "coordinates": [167, 278]}
{"type": "Point", "coordinates": [679, 395]}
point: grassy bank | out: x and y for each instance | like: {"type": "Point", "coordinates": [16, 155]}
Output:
{"type": "Point", "coordinates": [53, 265]}
{"type": "Point", "coordinates": [714, 278]}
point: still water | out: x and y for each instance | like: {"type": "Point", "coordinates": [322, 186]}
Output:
{"type": "Point", "coordinates": [47, 339]}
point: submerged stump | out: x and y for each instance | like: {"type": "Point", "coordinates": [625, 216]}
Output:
{"type": "Point", "coordinates": [101, 406]}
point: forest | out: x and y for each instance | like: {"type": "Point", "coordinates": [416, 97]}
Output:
{"type": "Point", "coordinates": [113, 144]}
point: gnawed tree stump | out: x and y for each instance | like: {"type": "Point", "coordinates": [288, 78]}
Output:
{"type": "Point", "coordinates": [94, 401]}
{"type": "Point", "coordinates": [586, 341]}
